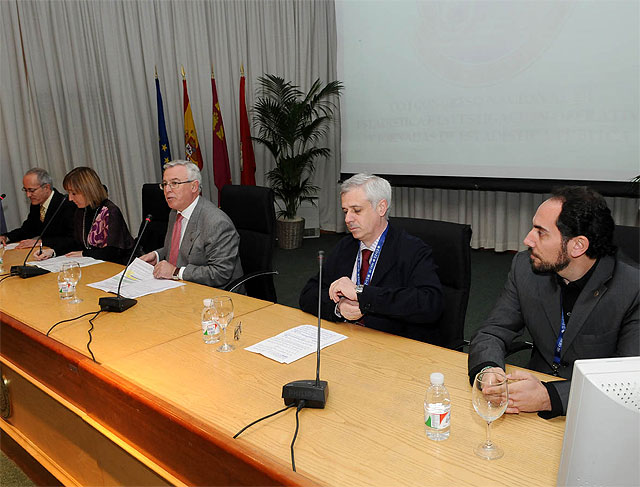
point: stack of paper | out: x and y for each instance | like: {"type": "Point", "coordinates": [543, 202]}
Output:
{"type": "Point", "coordinates": [293, 344]}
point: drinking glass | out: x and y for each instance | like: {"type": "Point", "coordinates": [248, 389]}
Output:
{"type": "Point", "coordinates": [72, 274]}
{"type": "Point", "coordinates": [223, 310]}
{"type": "Point", "coordinates": [490, 398]}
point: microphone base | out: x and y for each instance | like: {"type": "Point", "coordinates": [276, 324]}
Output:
{"type": "Point", "coordinates": [26, 271]}
{"type": "Point", "coordinates": [116, 305]}
{"type": "Point", "coordinates": [314, 395]}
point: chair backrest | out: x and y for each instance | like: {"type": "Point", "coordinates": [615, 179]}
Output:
{"type": "Point", "coordinates": [251, 209]}
{"type": "Point", "coordinates": [627, 239]}
{"type": "Point", "coordinates": [154, 203]}
{"type": "Point", "coordinates": [450, 243]}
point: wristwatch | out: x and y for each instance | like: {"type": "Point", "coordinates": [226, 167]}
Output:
{"type": "Point", "coordinates": [359, 289]}
{"type": "Point", "coordinates": [176, 273]}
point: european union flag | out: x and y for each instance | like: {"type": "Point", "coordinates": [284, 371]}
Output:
{"type": "Point", "coordinates": [165, 150]}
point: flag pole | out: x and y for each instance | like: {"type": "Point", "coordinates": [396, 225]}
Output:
{"type": "Point", "coordinates": [184, 76]}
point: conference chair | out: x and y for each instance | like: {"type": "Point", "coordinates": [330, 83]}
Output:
{"type": "Point", "coordinates": [627, 239]}
{"type": "Point", "coordinates": [251, 209]}
{"type": "Point", "coordinates": [154, 203]}
{"type": "Point", "coordinates": [450, 243]}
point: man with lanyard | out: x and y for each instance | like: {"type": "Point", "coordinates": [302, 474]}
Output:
{"type": "Point", "coordinates": [576, 299]}
{"type": "Point", "coordinates": [379, 276]}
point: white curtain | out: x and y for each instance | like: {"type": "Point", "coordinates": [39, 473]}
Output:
{"type": "Point", "coordinates": [77, 86]}
{"type": "Point", "coordinates": [499, 220]}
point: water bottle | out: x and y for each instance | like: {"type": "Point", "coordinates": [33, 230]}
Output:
{"type": "Point", "coordinates": [210, 329]}
{"type": "Point", "coordinates": [437, 409]}
{"type": "Point", "coordinates": [65, 288]}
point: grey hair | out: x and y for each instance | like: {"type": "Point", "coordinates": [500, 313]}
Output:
{"type": "Point", "coordinates": [42, 175]}
{"type": "Point", "coordinates": [193, 172]}
{"type": "Point", "coordinates": [375, 188]}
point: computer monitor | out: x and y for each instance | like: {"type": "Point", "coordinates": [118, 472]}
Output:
{"type": "Point", "coordinates": [602, 434]}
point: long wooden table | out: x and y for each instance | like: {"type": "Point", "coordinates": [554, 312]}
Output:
{"type": "Point", "coordinates": [169, 404]}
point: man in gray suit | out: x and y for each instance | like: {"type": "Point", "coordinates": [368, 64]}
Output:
{"type": "Point", "coordinates": [201, 244]}
{"type": "Point", "coordinates": [576, 299]}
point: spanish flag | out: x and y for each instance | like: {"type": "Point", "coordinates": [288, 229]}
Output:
{"type": "Point", "coordinates": [221, 169]}
{"type": "Point", "coordinates": [191, 146]}
{"type": "Point", "coordinates": [247, 158]}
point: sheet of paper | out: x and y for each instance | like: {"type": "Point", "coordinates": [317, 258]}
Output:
{"type": "Point", "coordinates": [55, 263]}
{"type": "Point", "coordinates": [11, 246]}
{"type": "Point", "coordinates": [138, 281]}
{"type": "Point", "coordinates": [295, 343]}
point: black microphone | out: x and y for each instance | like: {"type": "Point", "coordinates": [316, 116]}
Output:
{"type": "Point", "coordinates": [119, 303]}
{"type": "Point", "coordinates": [2, 196]}
{"type": "Point", "coordinates": [25, 271]}
{"type": "Point", "coordinates": [313, 392]}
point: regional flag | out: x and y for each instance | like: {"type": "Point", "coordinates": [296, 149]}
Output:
{"type": "Point", "coordinates": [221, 169]}
{"type": "Point", "coordinates": [165, 149]}
{"type": "Point", "coordinates": [247, 158]}
{"type": "Point", "coordinates": [191, 146]}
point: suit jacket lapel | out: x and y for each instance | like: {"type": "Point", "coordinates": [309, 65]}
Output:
{"type": "Point", "coordinates": [587, 300]}
{"type": "Point", "coordinates": [550, 297]}
{"type": "Point", "coordinates": [53, 206]}
{"type": "Point", "coordinates": [190, 234]}
{"type": "Point", "coordinates": [386, 260]}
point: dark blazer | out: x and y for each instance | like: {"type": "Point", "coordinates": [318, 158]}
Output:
{"type": "Point", "coordinates": [119, 240]}
{"type": "Point", "coordinates": [604, 320]}
{"type": "Point", "coordinates": [209, 249]}
{"type": "Point", "coordinates": [404, 295]}
{"type": "Point", "coordinates": [59, 235]}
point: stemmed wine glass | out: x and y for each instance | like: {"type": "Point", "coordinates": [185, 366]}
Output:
{"type": "Point", "coordinates": [490, 399]}
{"type": "Point", "coordinates": [72, 274]}
{"type": "Point", "coordinates": [223, 309]}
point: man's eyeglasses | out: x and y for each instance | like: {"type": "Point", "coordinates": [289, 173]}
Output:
{"type": "Point", "coordinates": [173, 184]}
{"type": "Point", "coordinates": [32, 190]}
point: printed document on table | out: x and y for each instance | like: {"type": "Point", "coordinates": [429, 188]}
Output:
{"type": "Point", "coordinates": [55, 263]}
{"type": "Point", "coordinates": [293, 344]}
{"type": "Point", "coordinates": [11, 246]}
{"type": "Point", "coordinates": [138, 281]}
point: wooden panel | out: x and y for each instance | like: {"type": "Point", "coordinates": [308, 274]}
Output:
{"type": "Point", "coordinates": [189, 449]}
{"type": "Point", "coordinates": [372, 429]}
{"type": "Point", "coordinates": [155, 319]}
{"type": "Point", "coordinates": [65, 443]}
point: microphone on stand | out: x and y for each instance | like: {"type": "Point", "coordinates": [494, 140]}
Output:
{"type": "Point", "coordinates": [2, 196]}
{"type": "Point", "coordinates": [120, 303]}
{"type": "Point", "coordinates": [313, 392]}
{"type": "Point", "coordinates": [25, 271]}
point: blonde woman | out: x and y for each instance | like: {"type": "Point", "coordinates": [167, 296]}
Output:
{"type": "Point", "coordinates": [100, 230]}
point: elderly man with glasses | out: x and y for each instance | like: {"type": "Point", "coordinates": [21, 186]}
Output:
{"type": "Point", "coordinates": [201, 244]}
{"type": "Point", "coordinates": [50, 209]}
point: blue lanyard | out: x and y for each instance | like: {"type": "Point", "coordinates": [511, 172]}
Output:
{"type": "Point", "coordinates": [556, 355]}
{"type": "Point", "coordinates": [372, 261]}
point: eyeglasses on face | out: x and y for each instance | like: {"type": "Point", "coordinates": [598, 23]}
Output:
{"type": "Point", "coordinates": [32, 190]}
{"type": "Point", "coordinates": [173, 184]}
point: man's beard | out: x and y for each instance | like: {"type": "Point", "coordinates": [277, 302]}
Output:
{"type": "Point", "coordinates": [542, 267]}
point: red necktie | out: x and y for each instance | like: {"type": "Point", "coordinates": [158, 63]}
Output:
{"type": "Point", "coordinates": [175, 240]}
{"type": "Point", "coordinates": [364, 268]}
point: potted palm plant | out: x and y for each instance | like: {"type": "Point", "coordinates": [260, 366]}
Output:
{"type": "Point", "coordinates": [290, 125]}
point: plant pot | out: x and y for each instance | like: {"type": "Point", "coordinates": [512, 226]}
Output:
{"type": "Point", "coordinates": [290, 232]}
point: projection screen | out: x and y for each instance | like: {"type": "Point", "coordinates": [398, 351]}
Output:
{"type": "Point", "coordinates": [498, 89]}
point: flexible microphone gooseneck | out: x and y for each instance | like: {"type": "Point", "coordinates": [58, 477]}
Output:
{"type": "Point", "coordinates": [119, 303]}
{"type": "Point", "coordinates": [314, 393]}
{"type": "Point", "coordinates": [25, 271]}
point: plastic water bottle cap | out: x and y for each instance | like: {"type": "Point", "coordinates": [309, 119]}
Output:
{"type": "Point", "coordinates": [207, 302]}
{"type": "Point", "coordinates": [437, 378]}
